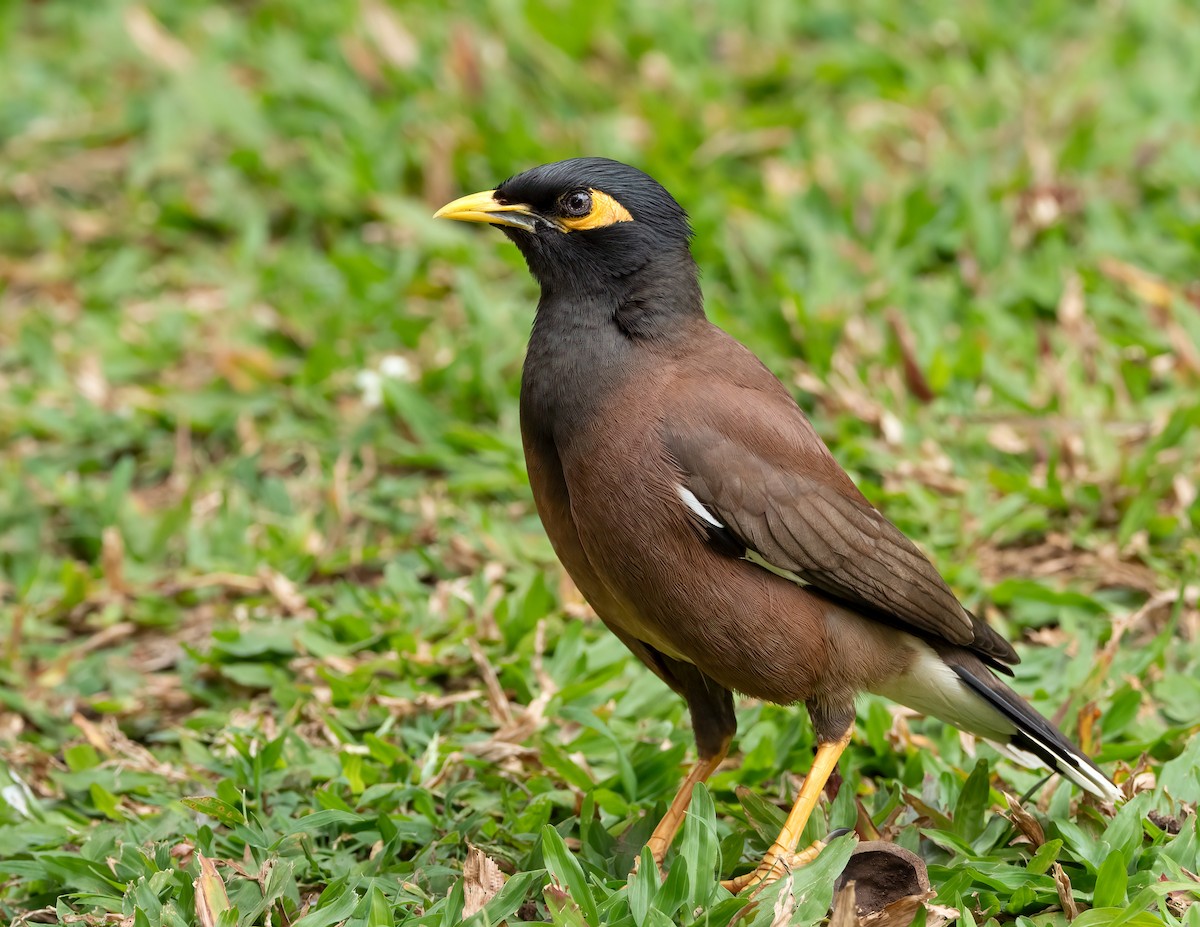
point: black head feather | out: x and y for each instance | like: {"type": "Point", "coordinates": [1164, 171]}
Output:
{"type": "Point", "coordinates": [623, 258]}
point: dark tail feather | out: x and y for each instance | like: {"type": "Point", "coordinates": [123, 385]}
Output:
{"type": "Point", "coordinates": [1035, 735]}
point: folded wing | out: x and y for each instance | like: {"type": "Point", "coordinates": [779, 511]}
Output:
{"type": "Point", "coordinates": [773, 493]}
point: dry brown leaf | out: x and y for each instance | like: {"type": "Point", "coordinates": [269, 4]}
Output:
{"type": "Point", "coordinates": [1142, 284]}
{"type": "Point", "coordinates": [1140, 779]}
{"type": "Point", "coordinates": [1160, 296]}
{"type": "Point", "coordinates": [558, 898]}
{"type": "Point", "coordinates": [283, 591]}
{"type": "Point", "coordinates": [244, 367]}
{"type": "Point", "coordinates": [91, 382]}
{"type": "Point", "coordinates": [232, 582]}
{"type": "Point", "coordinates": [211, 897]}
{"type": "Point", "coordinates": [497, 700]}
{"type": "Point", "coordinates": [361, 59]}
{"type": "Point", "coordinates": [845, 909]}
{"type": "Point", "coordinates": [121, 752]}
{"type": "Point", "coordinates": [924, 809]}
{"type": "Point", "coordinates": [154, 41]}
{"type": "Point", "coordinates": [1058, 556]}
{"type": "Point", "coordinates": [482, 879]}
{"type": "Point", "coordinates": [424, 703]}
{"type": "Point", "coordinates": [112, 559]}
{"type": "Point", "coordinates": [1062, 883]}
{"type": "Point", "coordinates": [93, 735]}
{"type": "Point", "coordinates": [1124, 623]}
{"type": "Point", "coordinates": [339, 490]}
{"type": "Point", "coordinates": [394, 42]}
{"type": "Point", "coordinates": [1085, 724]}
{"type": "Point", "coordinates": [103, 639]}
{"type": "Point", "coordinates": [1071, 306]}
{"type": "Point", "coordinates": [506, 746]}
{"type": "Point", "coordinates": [498, 751]}
{"type": "Point", "coordinates": [914, 376]}
{"type": "Point", "coordinates": [1179, 902]}
{"type": "Point", "coordinates": [1006, 439]}
{"type": "Point", "coordinates": [573, 602]}
{"type": "Point", "coordinates": [1185, 492]}
{"type": "Point", "coordinates": [1025, 822]}
{"type": "Point", "coordinates": [864, 825]}
{"type": "Point", "coordinates": [785, 904]}
{"type": "Point", "coordinates": [898, 913]}
{"type": "Point", "coordinates": [938, 915]}
{"type": "Point", "coordinates": [1182, 344]}
{"type": "Point", "coordinates": [47, 915]}
{"type": "Point", "coordinates": [463, 60]}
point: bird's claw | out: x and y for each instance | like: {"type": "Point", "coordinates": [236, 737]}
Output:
{"type": "Point", "coordinates": [659, 857]}
{"type": "Point", "coordinates": [775, 864]}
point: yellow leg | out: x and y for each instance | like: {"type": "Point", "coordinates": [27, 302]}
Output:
{"type": "Point", "coordinates": [782, 855]}
{"type": "Point", "coordinates": [669, 826]}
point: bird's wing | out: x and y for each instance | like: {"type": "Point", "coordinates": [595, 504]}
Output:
{"type": "Point", "coordinates": [761, 483]}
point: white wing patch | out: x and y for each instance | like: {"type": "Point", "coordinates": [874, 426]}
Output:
{"type": "Point", "coordinates": [696, 506]}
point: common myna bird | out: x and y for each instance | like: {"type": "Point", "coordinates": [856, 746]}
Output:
{"type": "Point", "coordinates": [702, 516]}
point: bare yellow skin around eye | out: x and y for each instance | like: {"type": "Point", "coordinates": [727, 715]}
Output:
{"type": "Point", "coordinates": [605, 211]}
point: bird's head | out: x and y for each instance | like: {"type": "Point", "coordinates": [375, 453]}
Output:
{"type": "Point", "coordinates": [586, 225]}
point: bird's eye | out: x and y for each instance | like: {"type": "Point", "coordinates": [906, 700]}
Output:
{"type": "Point", "coordinates": [576, 204]}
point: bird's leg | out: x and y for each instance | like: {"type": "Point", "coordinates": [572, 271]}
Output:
{"type": "Point", "coordinates": [669, 826]}
{"type": "Point", "coordinates": [714, 724]}
{"type": "Point", "coordinates": [782, 855]}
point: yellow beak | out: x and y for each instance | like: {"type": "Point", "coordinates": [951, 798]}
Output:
{"type": "Point", "coordinates": [484, 207]}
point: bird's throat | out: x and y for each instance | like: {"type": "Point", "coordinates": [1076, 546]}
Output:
{"type": "Point", "coordinates": [577, 357]}
{"type": "Point", "coordinates": [587, 343]}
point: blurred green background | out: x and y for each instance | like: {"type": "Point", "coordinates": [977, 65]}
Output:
{"type": "Point", "coordinates": [272, 591]}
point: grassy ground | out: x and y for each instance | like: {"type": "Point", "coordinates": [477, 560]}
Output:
{"type": "Point", "coordinates": [279, 629]}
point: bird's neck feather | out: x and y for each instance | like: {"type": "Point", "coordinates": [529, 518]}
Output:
{"type": "Point", "coordinates": [587, 344]}
{"type": "Point", "coordinates": [576, 356]}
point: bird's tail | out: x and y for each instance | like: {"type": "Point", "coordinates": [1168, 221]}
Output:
{"type": "Point", "coordinates": [1036, 739]}
{"type": "Point", "coordinates": [955, 685]}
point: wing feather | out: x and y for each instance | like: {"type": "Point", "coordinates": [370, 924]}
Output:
{"type": "Point", "coordinates": [757, 464]}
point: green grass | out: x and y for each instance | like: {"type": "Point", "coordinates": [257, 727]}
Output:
{"type": "Point", "coordinates": [248, 615]}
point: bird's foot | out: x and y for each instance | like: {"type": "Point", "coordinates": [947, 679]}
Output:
{"type": "Point", "coordinates": [659, 855]}
{"type": "Point", "coordinates": [776, 863]}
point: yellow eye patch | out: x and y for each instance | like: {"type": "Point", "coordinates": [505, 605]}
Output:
{"type": "Point", "coordinates": [605, 211]}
